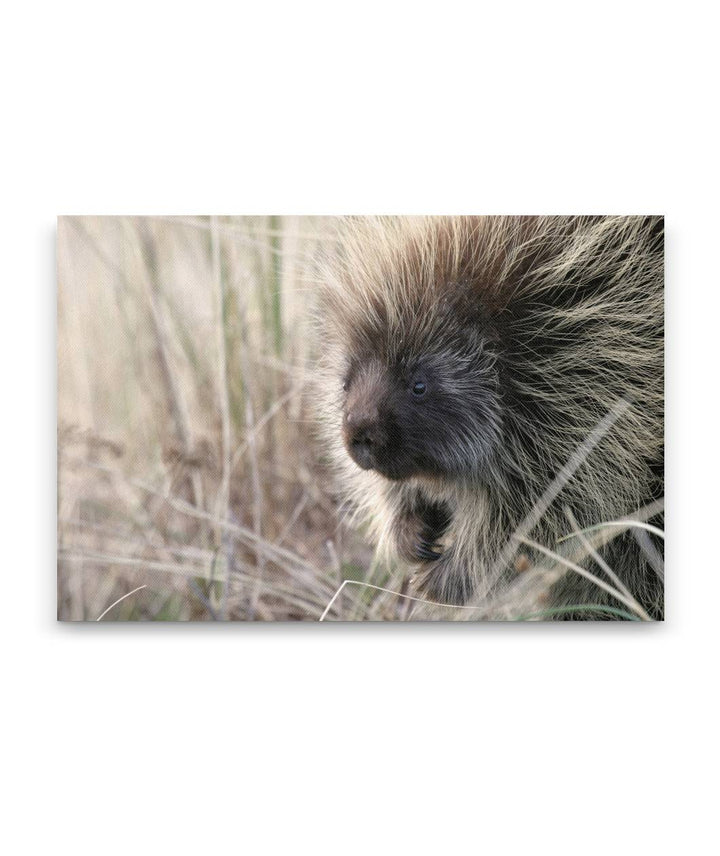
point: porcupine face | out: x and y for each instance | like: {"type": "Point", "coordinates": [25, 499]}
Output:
{"type": "Point", "coordinates": [429, 409]}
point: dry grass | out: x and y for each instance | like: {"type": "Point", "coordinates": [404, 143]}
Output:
{"type": "Point", "coordinates": [186, 459]}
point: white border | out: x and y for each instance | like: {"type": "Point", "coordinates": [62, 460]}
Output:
{"type": "Point", "coordinates": [359, 739]}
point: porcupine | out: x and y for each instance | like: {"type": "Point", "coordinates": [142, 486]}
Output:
{"type": "Point", "coordinates": [464, 359]}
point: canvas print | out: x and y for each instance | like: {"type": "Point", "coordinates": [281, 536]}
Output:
{"type": "Point", "coordinates": [392, 418]}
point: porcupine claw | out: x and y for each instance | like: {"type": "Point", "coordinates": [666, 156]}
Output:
{"type": "Point", "coordinates": [427, 551]}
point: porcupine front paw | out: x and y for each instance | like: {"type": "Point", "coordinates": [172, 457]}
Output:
{"type": "Point", "coordinates": [419, 529]}
{"type": "Point", "coordinates": [412, 542]}
{"type": "Point", "coordinates": [441, 576]}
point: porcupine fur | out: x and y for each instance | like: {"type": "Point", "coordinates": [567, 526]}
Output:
{"type": "Point", "coordinates": [464, 359]}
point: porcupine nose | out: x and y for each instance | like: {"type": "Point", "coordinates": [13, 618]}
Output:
{"type": "Point", "coordinates": [365, 437]}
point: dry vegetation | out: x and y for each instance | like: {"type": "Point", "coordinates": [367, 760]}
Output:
{"type": "Point", "coordinates": [189, 475]}
{"type": "Point", "coordinates": [185, 453]}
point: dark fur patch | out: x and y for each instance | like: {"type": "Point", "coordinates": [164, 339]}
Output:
{"type": "Point", "coordinates": [418, 529]}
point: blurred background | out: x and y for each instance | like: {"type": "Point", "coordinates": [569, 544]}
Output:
{"type": "Point", "coordinates": [187, 459]}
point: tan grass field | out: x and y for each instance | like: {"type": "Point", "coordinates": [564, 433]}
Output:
{"type": "Point", "coordinates": [186, 456]}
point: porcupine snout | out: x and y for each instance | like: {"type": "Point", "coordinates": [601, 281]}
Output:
{"type": "Point", "coordinates": [365, 437]}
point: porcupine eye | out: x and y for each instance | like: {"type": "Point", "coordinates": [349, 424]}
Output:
{"type": "Point", "coordinates": [419, 388]}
